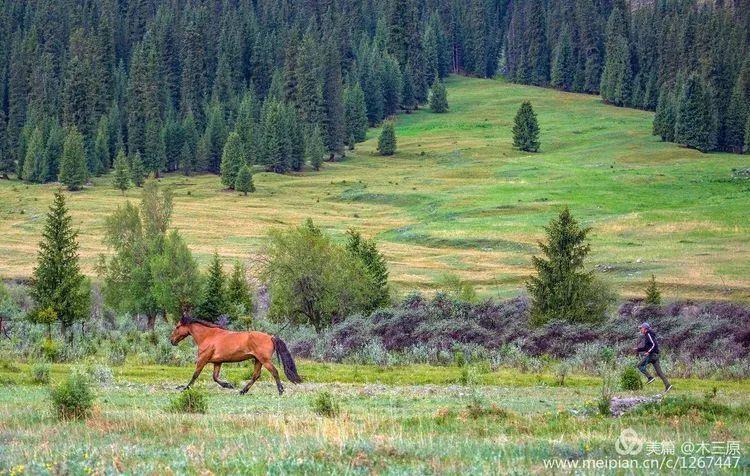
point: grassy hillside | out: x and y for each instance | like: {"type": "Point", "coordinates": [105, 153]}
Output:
{"type": "Point", "coordinates": [457, 197]}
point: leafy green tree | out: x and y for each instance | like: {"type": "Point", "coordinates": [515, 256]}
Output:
{"type": "Point", "coordinates": [175, 277]}
{"type": "Point", "coordinates": [653, 295]}
{"type": "Point", "coordinates": [366, 250]}
{"type": "Point", "coordinates": [311, 279]}
{"type": "Point", "coordinates": [213, 301]}
{"type": "Point", "coordinates": [562, 288]}
{"type": "Point", "coordinates": [121, 176]}
{"type": "Point", "coordinates": [695, 126]}
{"type": "Point", "coordinates": [387, 139]}
{"type": "Point", "coordinates": [73, 171]}
{"type": "Point", "coordinates": [232, 160]}
{"type": "Point", "coordinates": [244, 182]}
{"type": "Point", "coordinates": [665, 117]}
{"type": "Point", "coordinates": [135, 236]}
{"type": "Point", "coordinates": [438, 97]}
{"type": "Point", "coordinates": [526, 129]}
{"type": "Point", "coordinates": [315, 151]}
{"type": "Point", "coordinates": [355, 112]}
{"type": "Point", "coordinates": [57, 282]}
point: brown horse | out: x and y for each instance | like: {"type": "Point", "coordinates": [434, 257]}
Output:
{"type": "Point", "coordinates": [217, 345]}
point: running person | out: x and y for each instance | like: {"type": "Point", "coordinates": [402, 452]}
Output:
{"type": "Point", "coordinates": [650, 348]}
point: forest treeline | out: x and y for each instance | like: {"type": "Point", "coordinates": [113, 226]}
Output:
{"type": "Point", "coordinates": [167, 82]}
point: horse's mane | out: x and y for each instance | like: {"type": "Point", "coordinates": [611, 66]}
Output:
{"type": "Point", "coordinates": [191, 320]}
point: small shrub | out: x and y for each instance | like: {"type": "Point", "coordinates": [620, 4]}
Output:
{"type": "Point", "coordinates": [630, 379]}
{"type": "Point", "coordinates": [324, 404]}
{"type": "Point", "coordinates": [51, 350]}
{"type": "Point", "coordinates": [711, 394]}
{"type": "Point", "coordinates": [459, 359]}
{"type": "Point", "coordinates": [73, 398]}
{"type": "Point", "coordinates": [101, 374]}
{"type": "Point", "coordinates": [190, 400]}
{"type": "Point", "coordinates": [562, 370]}
{"type": "Point", "coordinates": [40, 373]}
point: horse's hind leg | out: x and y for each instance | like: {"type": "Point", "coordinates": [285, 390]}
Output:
{"type": "Point", "coordinates": [256, 376]}
{"type": "Point", "coordinates": [217, 370]}
{"type": "Point", "coordinates": [268, 365]}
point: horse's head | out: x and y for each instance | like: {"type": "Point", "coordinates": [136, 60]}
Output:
{"type": "Point", "coordinates": [180, 331]}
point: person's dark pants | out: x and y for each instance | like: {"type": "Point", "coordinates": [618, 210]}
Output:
{"type": "Point", "coordinates": [654, 360]}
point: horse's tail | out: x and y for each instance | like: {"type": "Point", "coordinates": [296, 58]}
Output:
{"type": "Point", "coordinates": [290, 368]}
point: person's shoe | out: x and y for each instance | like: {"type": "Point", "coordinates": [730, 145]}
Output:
{"type": "Point", "coordinates": [650, 380]}
{"type": "Point", "coordinates": [668, 389]}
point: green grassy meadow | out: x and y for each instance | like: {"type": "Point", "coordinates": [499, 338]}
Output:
{"type": "Point", "coordinates": [458, 198]}
{"type": "Point", "coordinates": [400, 420]}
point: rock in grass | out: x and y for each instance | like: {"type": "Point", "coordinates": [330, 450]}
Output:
{"type": "Point", "coordinates": [619, 406]}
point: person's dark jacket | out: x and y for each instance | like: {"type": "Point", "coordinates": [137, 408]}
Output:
{"type": "Point", "coordinates": [650, 344]}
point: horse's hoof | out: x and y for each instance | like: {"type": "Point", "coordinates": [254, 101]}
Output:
{"type": "Point", "coordinates": [181, 387]}
{"type": "Point", "coordinates": [242, 392]}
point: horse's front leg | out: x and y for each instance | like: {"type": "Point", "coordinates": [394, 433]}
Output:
{"type": "Point", "coordinates": [202, 361]}
{"type": "Point", "coordinates": [217, 370]}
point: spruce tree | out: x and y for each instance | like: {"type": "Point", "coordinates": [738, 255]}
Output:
{"type": "Point", "coordinates": [695, 125]}
{"type": "Point", "coordinates": [653, 296]}
{"type": "Point", "coordinates": [387, 139]}
{"type": "Point", "coordinates": [562, 289]}
{"type": "Point", "coordinates": [367, 252]}
{"type": "Point", "coordinates": [737, 113]}
{"type": "Point", "coordinates": [189, 152]}
{"type": "Point", "coordinates": [664, 119]}
{"type": "Point", "coordinates": [244, 182]}
{"type": "Point", "coordinates": [99, 161]}
{"type": "Point", "coordinates": [238, 291]}
{"type": "Point", "coordinates": [408, 101]}
{"type": "Point", "coordinates": [73, 171]}
{"type": "Point", "coordinates": [617, 76]}
{"type": "Point", "coordinates": [315, 150]}
{"type": "Point", "coordinates": [121, 176]}
{"type": "Point", "coordinates": [213, 303]}
{"type": "Point", "coordinates": [154, 158]}
{"type": "Point", "coordinates": [526, 129]}
{"type": "Point", "coordinates": [34, 164]}
{"type": "Point", "coordinates": [53, 151]}
{"type": "Point", "coordinates": [355, 112]}
{"type": "Point", "coordinates": [274, 145]}
{"type": "Point", "coordinates": [438, 97]}
{"type": "Point", "coordinates": [295, 140]}
{"type": "Point", "coordinates": [137, 169]}
{"type": "Point", "coordinates": [232, 160]}
{"type": "Point", "coordinates": [57, 282]}
{"type": "Point", "coordinates": [562, 64]}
